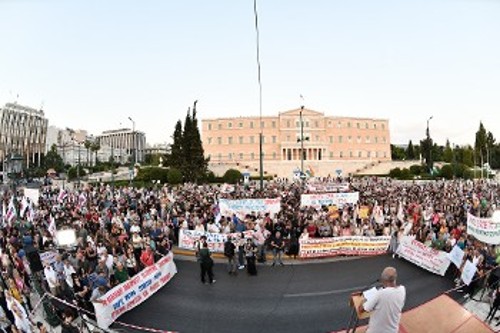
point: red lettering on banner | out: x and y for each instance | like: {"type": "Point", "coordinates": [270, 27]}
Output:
{"type": "Point", "coordinates": [148, 271]}
{"type": "Point", "coordinates": [131, 283]}
{"type": "Point", "coordinates": [165, 279]}
{"type": "Point", "coordinates": [155, 286]}
{"type": "Point", "coordinates": [114, 295]}
{"type": "Point", "coordinates": [118, 312]}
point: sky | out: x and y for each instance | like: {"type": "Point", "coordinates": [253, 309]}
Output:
{"type": "Point", "coordinates": [92, 64]}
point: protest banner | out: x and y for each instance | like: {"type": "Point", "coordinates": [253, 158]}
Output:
{"type": "Point", "coordinates": [133, 292]}
{"type": "Point", "coordinates": [432, 260]}
{"type": "Point", "coordinates": [48, 257]}
{"type": "Point", "coordinates": [456, 256]}
{"type": "Point", "coordinates": [327, 187]}
{"type": "Point", "coordinates": [343, 245]}
{"type": "Point", "coordinates": [32, 194]}
{"type": "Point", "coordinates": [328, 199]}
{"type": "Point", "coordinates": [247, 206]}
{"type": "Point", "coordinates": [483, 229]}
{"type": "Point", "coordinates": [188, 239]}
{"type": "Point", "coordinates": [468, 272]}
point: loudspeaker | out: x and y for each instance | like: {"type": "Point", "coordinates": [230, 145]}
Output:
{"type": "Point", "coordinates": [34, 260]}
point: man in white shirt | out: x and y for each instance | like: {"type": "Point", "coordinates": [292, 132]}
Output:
{"type": "Point", "coordinates": [386, 304]}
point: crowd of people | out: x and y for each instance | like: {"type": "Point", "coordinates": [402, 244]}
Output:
{"type": "Point", "coordinates": [119, 231]}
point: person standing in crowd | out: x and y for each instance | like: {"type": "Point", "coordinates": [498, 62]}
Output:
{"type": "Point", "coordinates": [277, 244]}
{"type": "Point", "coordinates": [230, 254]}
{"type": "Point", "coordinates": [147, 256]}
{"type": "Point", "coordinates": [241, 251]}
{"type": "Point", "coordinates": [206, 264]}
{"type": "Point", "coordinates": [494, 305]}
{"type": "Point", "coordinates": [250, 254]}
{"type": "Point", "coordinates": [386, 304]}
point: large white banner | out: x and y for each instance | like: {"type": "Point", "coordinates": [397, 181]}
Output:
{"type": "Point", "coordinates": [243, 207]}
{"type": "Point", "coordinates": [483, 229]}
{"type": "Point", "coordinates": [188, 239]}
{"type": "Point", "coordinates": [328, 199]}
{"type": "Point", "coordinates": [133, 292]}
{"type": "Point", "coordinates": [432, 260]}
{"type": "Point", "coordinates": [344, 245]}
{"type": "Point", "coordinates": [33, 194]}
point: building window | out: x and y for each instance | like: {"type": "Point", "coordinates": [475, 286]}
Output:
{"type": "Point", "coordinates": [288, 138]}
{"type": "Point", "coordinates": [366, 125]}
{"type": "Point", "coordinates": [331, 139]}
{"type": "Point", "coordinates": [297, 124]}
{"type": "Point", "coordinates": [274, 138]}
{"type": "Point", "coordinates": [359, 139]}
{"type": "Point", "coordinates": [251, 124]}
{"type": "Point", "coordinates": [252, 156]}
{"type": "Point", "coordinates": [374, 126]}
{"type": "Point", "coordinates": [376, 154]}
{"type": "Point", "coordinates": [329, 123]}
{"type": "Point", "coordinates": [219, 126]}
{"type": "Point", "coordinates": [350, 153]}
{"type": "Point", "coordinates": [274, 123]}
{"type": "Point", "coordinates": [316, 124]}
{"type": "Point", "coordinates": [317, 138]}
{"type": "Point", "coordinates": [348, 124]}
{"type": "Point", "coordinates": [307, 124]}
{"type": "Point", "coordinates": [339, 124]}
{"type": "Point", "coordinates": [368, 154]}
{"type": "Point", "coordinates": [219, 140]}
{"type": "Point", "coordinates": [383, 126]}
{"type": "Point", "coordinates": [241, 156]}
{"type": "Point", "coordinates": [240, 140]}
{"type": "Point", "coordinates": [331, 154]}
{"type": "Point", "coordinates": [288, 124]}
{"type": "Point", "coordinates": [220, 157]}
{"type": "Point", "coordinates": [341, 154]}
{"type": "Point", "coordinates": [349, 139]}
{"type": "Point", "coordinates": [367, 139]}
{"type": "Point", "coordinates": [229, 125]}
{"type": "Point", "coordinates": [230, 156]}
{"type": "Point", "coordinates": [240, 124]}
{"type": "Point", "coordinates": [262, 124]}
{"type": "Point", "coordinates": [252, 139]}
{"type": "Point", "coordinates": [230, 140]}
{"type": "Point", "coordinates": [289, 154]}
{"type": "Point", "coordinates": [274, 155]}
{"type": "Point", "coordinates": [384, 140]}
{"type": "Point", "coordinates": [358, 125]}
{"type": "Point", "coordinates": [360, 154]}
{"type": "Point", "coordinates": [340, 138]}
{"type": "Point", "coordinates": [385, 154]}
{"type": "Point", "coordinates": [209, 141]}
{"type": "Point", "coordinates": [209, 127]}
{"type": "Point", "coordinates": [376, 139]}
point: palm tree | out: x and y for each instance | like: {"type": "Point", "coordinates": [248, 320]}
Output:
{"type": "Point", "coordinates": [88, 144]}
{"type": "Point", "coordinates": [95, 147]}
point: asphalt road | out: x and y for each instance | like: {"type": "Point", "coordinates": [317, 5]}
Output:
{"type": "Point", "coordinates": [294, 298]}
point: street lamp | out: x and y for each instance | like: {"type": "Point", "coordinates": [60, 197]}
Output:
{"type": "Point", "coordinates": [133, 150]}
{"type": "Point", "coordinates": [301, 140]}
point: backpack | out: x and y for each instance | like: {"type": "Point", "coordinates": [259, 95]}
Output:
{"type": "Point", "coordinates": [228, 249]}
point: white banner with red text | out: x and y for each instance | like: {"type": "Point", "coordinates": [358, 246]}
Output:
{"type": "Point", "coordinates": [133, 292]}
{"type": "Point", "coordinates": [483, 229]}
{"type": "Point", "coordinates": [189, 238]}
{"type": "Point", "coordinates": [344, 245]}
{"type": "Point", "coordinates": [329, 199]}
{"type": "Point", "coordinates": [434, 261]}
{"type": "Point", "coordinates": [244, 207]}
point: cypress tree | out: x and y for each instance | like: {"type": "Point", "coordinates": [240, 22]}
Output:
{"type": "Point", "coordinates": [200, 164]}
{"type": "Point", "coordinates": [176, 158]}
{"type": "Point", "coordinates": [187, 139]}
{"type": "Point", "coordinates": [410, 152]}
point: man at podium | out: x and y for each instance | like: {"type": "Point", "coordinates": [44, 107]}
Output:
{"type": "Point", "coordinates": [385, 304]}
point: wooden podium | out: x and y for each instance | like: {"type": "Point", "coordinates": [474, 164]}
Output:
{"type": "Point", "coordinates": [355, 301]}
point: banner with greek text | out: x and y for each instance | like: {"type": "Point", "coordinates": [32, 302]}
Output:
{"type": "Point", "coordinates": [328, 199]}
{"type": "Point", "coordinates": [456, 256]}
{"type": "Point", "coordinates": [483, 229]}
{"type": "Point", "coordinates": [247, 206]}
{"type": "Point", "coordinates": [432, 260]}
{"type": "Point", "coordinates": [468, 272]}
{"type": "Point", "coordinates": [189, 238]}
{"type": "Point", "coordinates": [344, 245]}
{"type": "Point", "coordinates": [133, 292]}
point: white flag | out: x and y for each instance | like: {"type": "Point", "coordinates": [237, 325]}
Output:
{"type": "Point", "coordinates": [52, 226]}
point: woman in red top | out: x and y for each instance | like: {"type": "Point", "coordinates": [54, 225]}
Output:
{"type": "Point", "coordinates": [147, 256]}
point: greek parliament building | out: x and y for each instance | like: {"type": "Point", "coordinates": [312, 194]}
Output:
{"type": "Point", "coordinates": [124, 142]}
{"type": "Point", "coordinates": [23, 131]}
{"type": "Point", "coordinates": [331, 144]}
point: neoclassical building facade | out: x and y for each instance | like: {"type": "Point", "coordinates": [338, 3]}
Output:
{"type": "Point", "coordinates": [327, 141]}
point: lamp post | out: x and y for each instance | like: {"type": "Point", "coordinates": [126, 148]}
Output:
{"type": "Point", "coordinates": [429, 148]}
{"type": "Point", "coordinates": [131, 168]}
{"type": "Point", "coordinates": [302, 175]}
{"type": "Point", "coordinates": [15, 171]}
